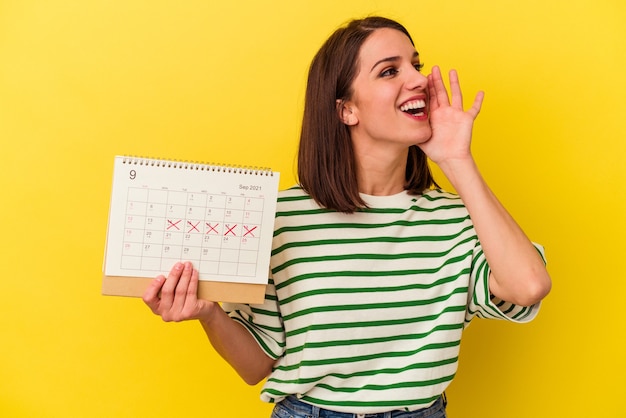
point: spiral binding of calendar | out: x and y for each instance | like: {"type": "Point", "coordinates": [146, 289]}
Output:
{"type": "Point", "coordinates": [200, 166]}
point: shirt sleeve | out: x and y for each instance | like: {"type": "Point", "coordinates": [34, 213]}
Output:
{"type": "Point", "coordinates": [263, 321]}
{"type": "Point", "coordinates": [482, 304]}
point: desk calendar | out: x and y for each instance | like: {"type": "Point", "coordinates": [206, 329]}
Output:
{"type": "Point", "coordinates": [218, 217]}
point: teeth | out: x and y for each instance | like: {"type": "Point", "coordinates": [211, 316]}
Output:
{"type": "Point", "coordinates": [414, 104]}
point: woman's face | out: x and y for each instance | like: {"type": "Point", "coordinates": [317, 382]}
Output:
{"type": "Point", "coordinates": [389, 104]}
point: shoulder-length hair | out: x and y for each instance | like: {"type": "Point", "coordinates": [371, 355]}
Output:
{"type": "Point", "coordinates": [326, 160]}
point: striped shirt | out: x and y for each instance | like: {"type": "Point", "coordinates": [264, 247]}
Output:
{"type": "Point", "coordinates": [364, 312]}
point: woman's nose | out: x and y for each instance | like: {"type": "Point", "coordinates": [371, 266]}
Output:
{"type": "Point", "coordinates": [416, 80]}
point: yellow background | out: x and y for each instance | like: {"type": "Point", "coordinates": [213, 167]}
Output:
{"type": "Point", "coordinates": [81, 81]}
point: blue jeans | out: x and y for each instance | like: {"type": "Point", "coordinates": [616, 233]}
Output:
{"type": "Point", "coordinates": [292, 407]}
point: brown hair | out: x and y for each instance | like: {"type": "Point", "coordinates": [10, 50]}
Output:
{"type": "Point", "coordinates": [326, 161]}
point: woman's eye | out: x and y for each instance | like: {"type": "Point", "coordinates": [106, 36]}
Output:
{"type": "Point", "coordinates": [389, 72]}
{"type": "Point", "coordinates": [418, 66]}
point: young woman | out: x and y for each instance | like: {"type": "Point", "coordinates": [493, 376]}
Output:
{"type": "Point", "coordinates": [375, 272]}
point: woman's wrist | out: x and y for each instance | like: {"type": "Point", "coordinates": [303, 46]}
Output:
{"type": "Point", "coordinates": [462, 173]}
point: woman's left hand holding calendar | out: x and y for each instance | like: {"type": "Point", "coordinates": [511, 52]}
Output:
{"type": "Point", "coordinates": [174, 298]}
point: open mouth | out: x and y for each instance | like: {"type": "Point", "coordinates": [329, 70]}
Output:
{"type": "Point", "coordinates": [414, 107]}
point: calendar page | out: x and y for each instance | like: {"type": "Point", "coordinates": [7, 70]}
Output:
{"type": "Point", "coordinates": [219, 218]}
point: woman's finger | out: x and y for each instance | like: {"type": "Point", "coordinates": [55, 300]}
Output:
{"type": "Point", "coordinates": [455, 90]}
{"type": "Point", "coordinates": [432, 94]}
{"type": "Point", "coordinates": [169, 287]}
{"type": "Point", "coordinates": [192, 290]}
{"type": "Point", "coordinates": [151, 295]}
{"type": "Point", "coordinates": [180, 293]}
{"type": "Point", "coordinates": [440, 89]}
{"type": "Point", "coordinates": [477, 105]}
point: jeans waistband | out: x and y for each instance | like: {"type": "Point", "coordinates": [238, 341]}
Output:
{"type": "Point", "coordinates": [303, 409]}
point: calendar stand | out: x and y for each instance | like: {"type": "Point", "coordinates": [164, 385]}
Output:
{"type": "Point", "coordinates": [214, 291]}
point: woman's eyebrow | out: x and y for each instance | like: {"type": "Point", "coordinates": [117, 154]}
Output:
{"type": "Point", "coordinates": [392, 59]}
{"type": "Point", "coordinates": [388, 59]}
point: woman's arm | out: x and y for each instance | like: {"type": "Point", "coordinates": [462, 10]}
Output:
{"type": "Point", "coordinates": [518, 274]}
{"type": "Point", "coordinates": [175, 299]}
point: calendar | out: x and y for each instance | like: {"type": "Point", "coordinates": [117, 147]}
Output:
{"type": "Point", "coordinates": [218, 217]}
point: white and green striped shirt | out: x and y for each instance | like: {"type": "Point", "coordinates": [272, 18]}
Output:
{"type": "Point", "coordinates": [364, 311]}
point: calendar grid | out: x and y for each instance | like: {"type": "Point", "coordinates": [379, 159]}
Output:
{"type": "Point", "coordinates": [219, 233]}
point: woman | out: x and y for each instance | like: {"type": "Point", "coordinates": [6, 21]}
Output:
{"type": "Point", "coordinates": [375, 273]}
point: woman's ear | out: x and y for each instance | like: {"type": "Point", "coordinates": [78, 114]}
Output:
{"type": "Point", "coordinates": [346, 114]}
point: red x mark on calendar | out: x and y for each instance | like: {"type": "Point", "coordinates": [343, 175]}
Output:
{"type": "Point", "coordinates": [211, 228]}
{"type": "Point", "coordinates": [230, 230]}
{"type": "Point", "coordinates": [249, 231]}
{"type": "Point", "coordinates": [193, 227]}
{"type": "Point", "coordinates": [173, 224]}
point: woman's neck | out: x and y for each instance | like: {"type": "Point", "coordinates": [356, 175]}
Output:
{"type": "Point", "coordinates": [380, 173]}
